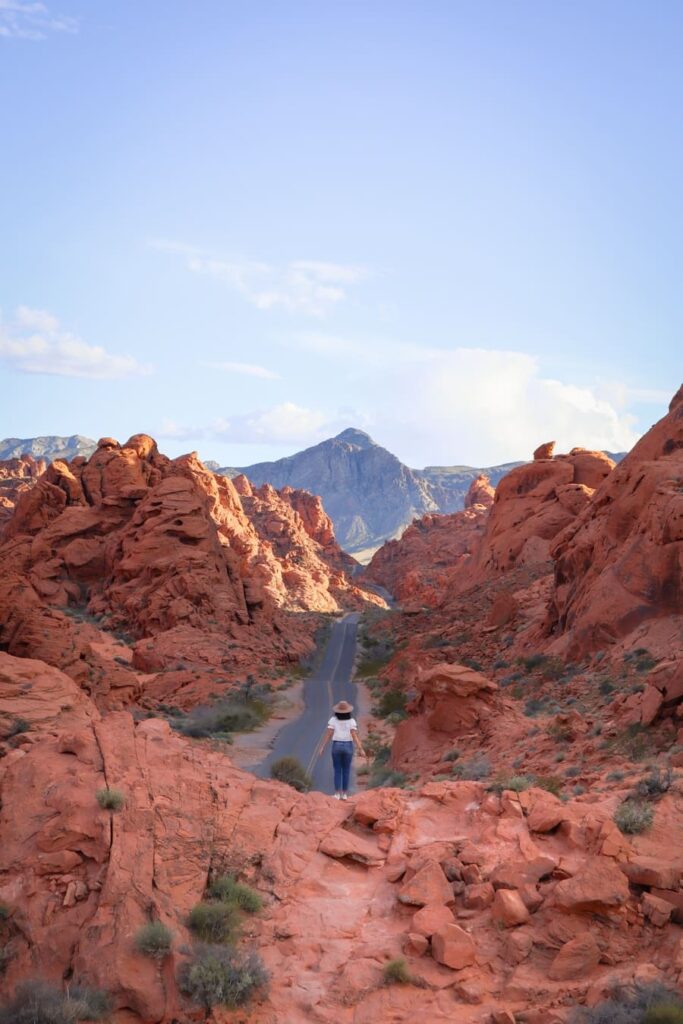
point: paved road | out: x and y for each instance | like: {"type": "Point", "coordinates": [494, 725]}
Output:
{"type": "Point", "coordinates": [331, 683]}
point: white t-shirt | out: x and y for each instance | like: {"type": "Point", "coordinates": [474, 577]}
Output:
{"type": "Point", "coordinates": [342, 728]}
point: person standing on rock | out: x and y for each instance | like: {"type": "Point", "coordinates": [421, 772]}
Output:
{"type": "Point", "coordinates": [342, 730]}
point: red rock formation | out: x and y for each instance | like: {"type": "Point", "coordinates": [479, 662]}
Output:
{"type": "Point", "coordinates": [163, 552]}
{"type": "Point", "coordinates": [533, 504]}
{"type": "Point", "coordinates": [512, 911]}
{"type": "Point", "coordinates": [480, 493]}
{"type": "Point", "coordinates": [619, 565]}
{"type": "Point", "coordinates": [16, 477]}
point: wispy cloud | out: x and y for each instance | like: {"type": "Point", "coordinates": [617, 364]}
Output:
{"type": "Point", "coordinates": [308, 287]}
{"type": "Point", "coordinates": [26, 19]}
{"type": "Point", "coordinates": [34, 342]}
{"type": "Point", "coordinates": [246, 369]}
{"type": "Point", "coordinates": [286, 423]}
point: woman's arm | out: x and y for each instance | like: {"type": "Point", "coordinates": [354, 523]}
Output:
{"type": "Point", "coordinates": [359, 746]}
{"type": "Point", "coordinates": [326, 739]}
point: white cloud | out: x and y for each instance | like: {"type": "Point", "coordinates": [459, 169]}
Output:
{"type": "Point", "coordinates": [490, 406]}
{"type": "Point", "coordinates": [286, 423]}
{"type": "Point", "coordinates": [26, 19]}
{"type": "Point", "coordinates": [247, 369]}
{"type": "Point", "coordinates": [35, 343]}
{"type": "Point", "coordinates": [309, 287]}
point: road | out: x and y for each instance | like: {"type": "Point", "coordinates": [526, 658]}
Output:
{"type": "Point", "coordinates": [331, 683]}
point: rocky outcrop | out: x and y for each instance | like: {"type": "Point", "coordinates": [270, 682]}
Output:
{"type": "Point", "coordinates": [158, 555]}
{"type": "Point", "coordinates": [488, 912]}
{"type": "Point", "coordinates": [534, 503]}
{"type": "Point", "coordinates": [16, 477]}
{"type": "Point", "coordinates": [368, 493]}
{"type": "Point", "coordinates": [48, 448]}
{"type": "Point", "coordinates": [618, 566]}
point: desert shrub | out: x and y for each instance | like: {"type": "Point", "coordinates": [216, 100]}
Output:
{"type": "Point", "coordinates": [214, 922]}
{"type": "Point", "coordinates": [390, 702]}
{"type": "Point", "coordinates": [382, 775]}
{"type": "Point", "coordinates": [451, 755]}
{"type": "Point", "coordinates": [646, 1004]}
{"type": "Point", "coordinates": [36, 1002]}
{"type": "Point", "coordinates": [16, 727]}
{"type": "Point", "coordinates": [605, 687]}
{"type": "Point", "coordinates": [154, 939]}
{"type": "Point", "coordinates": [218, 721]}
{"type": "Point", "coordinates": [476, 666]}
{"type": "Point", "coordinates": [654, 785]}
{"type": "Point", "coordinates": [5, 912]}
{"type": "Point", "coordinates": [534, 706]}
{"type": "Point", "coordinates": [633, 741]}
{"type": "Point", "coordinates": [559, 757]}
{"type": "Point", "coordinates": [291, 771]}
{"type": "Point", "coordinates": [616, 776]}
{"type": "Point", "coordinates": [500, 663]}
{"type": "Point", "coordinates": [110, 799]}
{"type": "Point", "coordinates": [514, 782]}
{"type": "Point", "coordinates": [633, 817]}
{"type": "Point", "coordinates": [572, 772]}
{"type": "Point", "coordinates": [220, 976]}
{"type": "Point", "coordinates": [531, 662]}
{"type": "Point", "coordinates": [396, 972]}
{"type": "Point", "coordinates": [578, 789]}
{"type": "Point", "coordinates": [552, 783]}
{"type": "Point", "coordinates": [226, 889]}
{"type": "Point", "coordinates": [474, 769]}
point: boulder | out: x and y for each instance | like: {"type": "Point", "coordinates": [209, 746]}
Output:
{"type": "Point", "coordinates": [576, 959]}
{"type": "Point", "coordinates": [656, 910]}
{"type": "Point", "coordinates": [339, 843]}
{"type": "Point", "coordinates": [453, 947]}
{"type": "Point", "coordinates": [599, 886]}
{"type": "Point", "coordinates": [431, 919]}
{"type": "Point", "coordinates": [509, 908]}
{"type": "Point", "coordinates": [428, 887]}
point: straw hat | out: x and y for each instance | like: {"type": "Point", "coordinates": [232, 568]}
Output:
{"type": "Point", "coordinates": [343, 706]}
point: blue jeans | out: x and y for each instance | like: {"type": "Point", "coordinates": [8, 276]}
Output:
{"type": "Point", "coordinates": [342, 756]}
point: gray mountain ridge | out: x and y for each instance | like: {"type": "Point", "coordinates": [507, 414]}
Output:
{"type": "Point", "coordinates": [369, 494]}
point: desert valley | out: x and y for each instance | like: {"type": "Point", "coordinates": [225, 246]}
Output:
{"type": "Point", "coordinates": [514, 850]}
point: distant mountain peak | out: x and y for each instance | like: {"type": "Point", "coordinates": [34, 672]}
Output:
{"type": "Point", "coordinates": [354, 436]}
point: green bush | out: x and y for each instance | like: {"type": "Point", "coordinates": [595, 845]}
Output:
{"type": "Point", "coordinates": [154, 940]}
{"type": "Point", "coordinates": [5, 912]}
{"type": "Point", "coordinates": [654, 785]}
{"type": "Point", "coordinates": [36, 1002]}
{"type": "Point", "coordinates": [110, 799]}
{"type": "Point", "coordinates": [390, 703]}
{"type": "Point", "coordinates": [214, 922]}
{"type": "Point", "coordinates": [664, 1013]}
{"type": "Point", "coordinates": [218, 721]}
{"type": "Point", "coordinates": [616, 776]}
{"type": "Point", "coordinates": [382, 775]}
{"type": "Point", "coordinates": [226, 889]}
{"type": "Point", "coordinates": [633, 817]}
{"type": "Point", "coordinates": [472, 770]}
{"type": "Point", "coordinates": [452, 755]}
{"type": "Point", "coordinates": [551, 783]}
{"type": "Point", "coordinates": [291, 771]}
{"type": "Point", "coordinates": [646, 1004]}
{"type": "Point", "coordinates": [219, 976]}
{"type": "Point", "coordinates": [516, 783]}
{"type": "Point", "coordinates": [396, 972]}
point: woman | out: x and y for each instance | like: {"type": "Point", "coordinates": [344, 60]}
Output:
{"type": "Point", "coordinates": [342, 729]}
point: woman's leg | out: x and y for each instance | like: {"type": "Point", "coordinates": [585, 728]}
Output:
{"type": "Point", "coordinates": [337, 764]}
{"type": "Point", "coordinates": [346, 767]}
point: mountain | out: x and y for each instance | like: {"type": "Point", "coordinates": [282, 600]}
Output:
{"type": "Point", "coordinates": [50, 447]}
{"type": "Point", "coordinates": [369, 494]}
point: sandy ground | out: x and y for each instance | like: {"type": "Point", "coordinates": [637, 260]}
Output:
{"type": "Point", "coordinates": [250, 748]}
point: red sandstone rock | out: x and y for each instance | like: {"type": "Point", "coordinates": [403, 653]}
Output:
{"type": "Point", "coordinates": [598, 887]}
{"type": "Point", "coordinates": [453, 947]}
{"type": "Point", "coordinates": [544, 451]}
{"type": "Point", "coordinates": [509, 908]}
{"type": "Point", "coordinates": [427, 888]}
{"type": "Point", "coordinates": [480, 493]}
{"type": "Point", "coordinates": [17, 476]}
{"type": "Point", "coordinates": [339, 843]}
{"type": "Point", "coordinates": [618, 565]}
{"type": "Point", "coordinates": [656, 910]}
{"type": "Point", "coordinates": [431, 919]}
{"type": "Point", "coordinates": [576, 959]}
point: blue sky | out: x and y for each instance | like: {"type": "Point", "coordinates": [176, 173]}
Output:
{"type": "Point", "coordinates": [244, 226]}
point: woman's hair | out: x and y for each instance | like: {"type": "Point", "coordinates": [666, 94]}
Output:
{"type": "Point", "coordinates": [342, 715]}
